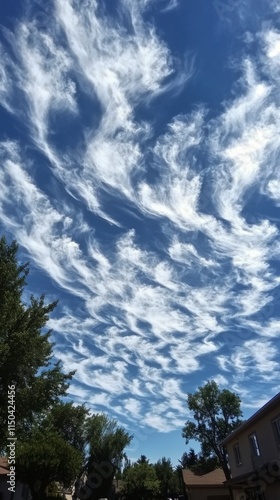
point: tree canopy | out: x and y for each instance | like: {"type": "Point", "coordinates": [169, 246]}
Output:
{"type": "Point", "coordinates": [216, 414]}
{"type": "Point", "coordinates": [107, 442]}
{"type": "Point", "coordinates": [45, 458]}
{"type": "Point", "coordinates": [56, 440]}
{"type": "Point", "coordinates": [26, 351]}
{"type": "Point", "coordinates": [70, 423]}
{"type": "Point", "coordinates": [198, 463]}
{"type": "Point", "coordinates": [140, 481]}
{"type": "Point", "coordinates": [167, 477]}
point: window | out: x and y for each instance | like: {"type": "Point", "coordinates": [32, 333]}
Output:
{"type": "Point", "coordinates": [255, 495]}
{"type": "Point", "coordinates": [254, 445]}
{"type": "Point", "coordinates": [237, 454]}
{"type": "Point", "coordinates": [276, 428]}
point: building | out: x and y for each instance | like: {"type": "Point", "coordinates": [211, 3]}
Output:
{"type": "Point", "coordinates": [254, 455]}
{"type": "Point", "coordinates": [207, 486]}
{"type": "Point", "coordinates": [21, 490]}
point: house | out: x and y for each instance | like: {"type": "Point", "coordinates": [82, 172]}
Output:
{"type": "Point", "coordinates": [207, 486]}
{"type": "Point", "coordinates": [21, 490]}
{"type": "Point", "coordinates": [254, 455]}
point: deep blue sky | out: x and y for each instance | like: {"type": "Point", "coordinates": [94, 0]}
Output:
{"type": "Point", "coordinates": [140, 176]}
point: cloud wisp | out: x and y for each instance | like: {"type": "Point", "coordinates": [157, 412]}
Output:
{"type": "Point", "coordinates": [157, 235]}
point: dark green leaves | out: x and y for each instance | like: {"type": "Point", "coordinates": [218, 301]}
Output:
{"type": "Point", "coordinates": [215, 413]}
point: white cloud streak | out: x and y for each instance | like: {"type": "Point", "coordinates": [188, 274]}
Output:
{"type": "Point", "coordinates": [150, 312]}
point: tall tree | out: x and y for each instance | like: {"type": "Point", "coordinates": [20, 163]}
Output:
{"type": "Point", "coordinates": [140, 481]}
{"type": "Point", "coordinates": [189, 460]}
{"type": "Point", "coordinates": [143, 460]}
{"type": "Point", "coordinates": [216, 414]}
{"type": "Point", "coordinates": [107, 442]}
{"type": "Point", "coordinates": [45, 458]}
{"type": "Point", "coordinates": [199, 463]}
{"type": "Point", "coordinates": [167, 477]}
{"type": "Point", "coordinates": [53, 437]}
{"type": "Point", "coordinates": [70, 423]}
{"type": "Point", "coordinates": [26, 351]}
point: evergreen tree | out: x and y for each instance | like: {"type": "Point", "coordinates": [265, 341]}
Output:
{"type": "Point", "coordinates": [167, 477]}
{"type": "Point", "coordinates": [26, 352]}
{"type": "Point", "coordinates": [198, 463]}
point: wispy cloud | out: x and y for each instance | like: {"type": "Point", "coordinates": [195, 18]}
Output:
{"type": "Point", "coordinates": [149, 229]}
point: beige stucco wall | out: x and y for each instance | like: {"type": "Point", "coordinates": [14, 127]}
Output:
{"type": "Point", "coordinates": [203, 493]}
{"type": "Point", "coordinates": [267, 444]}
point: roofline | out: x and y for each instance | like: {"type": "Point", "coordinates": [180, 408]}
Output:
{"type": "Point", "coordinates": [258, 414]}
{"type": "Point", "coordinates": [210, 485]}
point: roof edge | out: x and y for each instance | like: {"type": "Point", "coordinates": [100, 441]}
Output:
{"type": "Point", "coordinates": [258, 414]}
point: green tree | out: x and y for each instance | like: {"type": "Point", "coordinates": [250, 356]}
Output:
{"type": "Point", "coordinates": [198, 463]}
{"type": "Point", "coordinates": [140, 481]}
{"type": "Point", "coordinates": [167, 477]}
{"type": "Point", "coordinates": [180, 480]}
{"type": "Point", "coordinates": [216, 414]}
{"type": "Point", "coordinates": [26, 352]}
{"type": "Point", "coordinates": [92, 445]}
{"type": "Point", "coordinates": [107, 442]}
{"type": "Point", "coordinates": [53, 437]}
{"type": "Point", "coordinates": [189, 460]}
{"type": "Point", "coordinates": [45, 458]}
{"type": "Point", "coordinates": [143, 460]}
{"type": "Point", "coordinates": [70, 423]}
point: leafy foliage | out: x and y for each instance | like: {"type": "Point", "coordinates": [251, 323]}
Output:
{"type": "Point", "coordinates": [140, 481]}
{"type": "Point", "coordinates": [70, 423]}
{"type": "Point", "coordinates": [216, 414]}
{"type": "Point", "coordinates": [198, 463]}
{"type": "Point", "coordinates": [189, 460]}
{"type": "Point", "coordinates": [25, 348]}
{"type": "Point", "coordinates": [106, 441]}
{"type": "Point", "coordinates": [167, 477]}
{"type": "Point", "coordinates": [45, 458]}
{"type": "Point", "coordinates": [54, 438]}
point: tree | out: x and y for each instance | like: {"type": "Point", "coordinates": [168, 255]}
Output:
{"type": "Point", "coordinates": [53, 438]}
{"type": "Point", "coordinates": [143, 460]}
{"type": "Point", "coordinates": [72, 431]}
{"type": "Point", "coordinates": [189, 460]}
{"type": "Point", "coordinates": [70, 423]}
{"type": "Point", "coordinates": [140, 481]}
{"type": "Point", "coordinates": [107, 442]}
{"type": "Point", "coordinates": [45, 458]}
{"type": "Point", "coordinates": [167, 477]}
{"type": "Point", "coordinates": [26, 352]}
{"type": "Point", "coordinates": [198, 463]}
{"type": "Point", "coordinates": [216, 414]}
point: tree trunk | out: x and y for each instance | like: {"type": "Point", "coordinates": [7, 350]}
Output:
{"type": "Point", "coordinates": [228, 476]}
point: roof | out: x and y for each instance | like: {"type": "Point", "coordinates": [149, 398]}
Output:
{"type": "Point", "coordinates": [4, 468]}
{"type": "Point", "coordinates": [214, 478]}
{"type": "Point", "coordinates": [270, 405]}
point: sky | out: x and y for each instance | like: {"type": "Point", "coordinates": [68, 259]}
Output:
{"type": "Point", "coordinates": [139, 146]}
